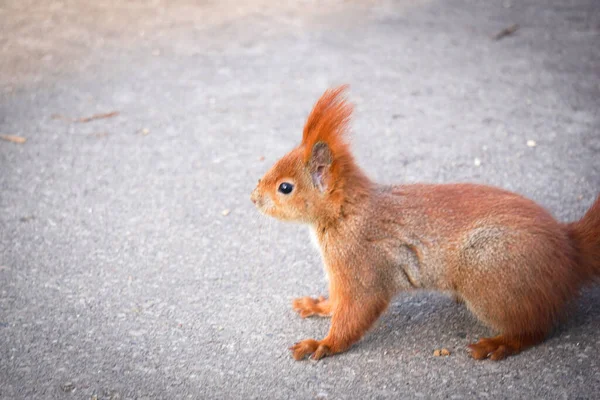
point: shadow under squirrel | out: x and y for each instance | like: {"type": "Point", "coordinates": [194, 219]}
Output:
{"type": "Point", "coordinates": [511, 263]}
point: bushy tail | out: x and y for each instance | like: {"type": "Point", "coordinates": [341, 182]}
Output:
{"type": "Point", "coordinates": [585, 235]}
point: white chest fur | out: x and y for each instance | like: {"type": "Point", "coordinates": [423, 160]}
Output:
{"type": "Point", "coordinates": [315, 241]}
{"type": "Point", "coordinates": [313, 238]}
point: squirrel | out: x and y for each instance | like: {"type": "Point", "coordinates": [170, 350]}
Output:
{"type": "Point", "coordinates": [505, 257]}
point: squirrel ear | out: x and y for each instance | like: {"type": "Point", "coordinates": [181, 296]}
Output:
{"type": "Point", "coordinates": [319, 163]}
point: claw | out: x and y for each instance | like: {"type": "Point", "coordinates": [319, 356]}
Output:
{"type": "Point", "coordinates": [322, 351]}
{"type": "Point", "coordinates": [304, 348]}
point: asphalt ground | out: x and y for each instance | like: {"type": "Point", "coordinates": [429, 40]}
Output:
{"type": "Point", "coordinates": [121, 277]}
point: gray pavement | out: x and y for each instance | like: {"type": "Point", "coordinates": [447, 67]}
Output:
{"type": "Point", "coordinates": [120, 277]}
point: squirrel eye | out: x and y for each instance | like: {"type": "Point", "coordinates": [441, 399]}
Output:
{"type": "Point", "coordinates": [286, 188]}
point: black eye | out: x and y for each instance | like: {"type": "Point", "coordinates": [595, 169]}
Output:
{"type": "Point", "coordinates": [286, 188]}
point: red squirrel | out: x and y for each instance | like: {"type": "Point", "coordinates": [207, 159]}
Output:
{"type": "Point", "coordinates": [506, 258]}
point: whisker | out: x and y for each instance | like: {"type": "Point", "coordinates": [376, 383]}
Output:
{"type": "Point", "coordinates": [271, 242]}
{"type": "Point", "coordinates": [257, 246]}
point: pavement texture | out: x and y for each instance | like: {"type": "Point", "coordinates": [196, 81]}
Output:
{"type": "Point", "coordinates": [120, 275]}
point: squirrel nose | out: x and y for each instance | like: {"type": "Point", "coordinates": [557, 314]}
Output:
{"type": "Point", "coordinates": [253, 196]}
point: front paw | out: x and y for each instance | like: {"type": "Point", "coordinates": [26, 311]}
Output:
{"type": "Point", "coordinates": [307, 306]}
{"type": "Point", "coordinates": [308, 347]}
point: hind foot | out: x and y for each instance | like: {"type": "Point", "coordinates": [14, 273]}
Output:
{"type": "Point", "coordinates": [500, 347]}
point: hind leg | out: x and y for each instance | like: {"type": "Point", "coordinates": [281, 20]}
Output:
{"type": "Point", "coordinates": [502, 346]}
{"type": "Point", "coordinates": [513, 282]}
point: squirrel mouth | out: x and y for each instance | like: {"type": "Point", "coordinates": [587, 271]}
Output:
{"type": "Point", "coordinates": [263, 206]}
{"type": "Point", "coordinates": [264, 209]}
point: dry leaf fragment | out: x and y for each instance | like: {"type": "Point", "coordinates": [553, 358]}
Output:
{"type": "Point", "coordinates": [261, 158]}
{"type": "Point", "coordinates": [85, 119]}
{"type": "Point", "coordinates": [441, 352]}
{"type": "Point", "coordinates": [226, 212]}
{"type": "Point", "coordinates": [98, 116]}
{"type": "Point", "coordinates": [506, 32]}
{"type": "Point", "coordinates": [13, 138]}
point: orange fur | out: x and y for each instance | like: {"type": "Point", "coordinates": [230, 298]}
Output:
{"type": "Point", "coordinates": [328, 122]}
{"type": "Point", "coordinates": [506, 258]}
{"type": "Point", "coordinates": [307, 306]}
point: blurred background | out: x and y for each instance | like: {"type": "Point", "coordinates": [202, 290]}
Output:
{"type": "Point", "coordinates": [132, 263]}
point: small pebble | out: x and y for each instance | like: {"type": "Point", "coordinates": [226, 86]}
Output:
{"type": "Point", "coordinates": [441, 353]}
{"type": "Point", "coordinates": [531, 143]}
{"type": "Point", "coordinates": [145, 131]}
{"type": "Point", "coordinates": [67, 387]}
{"type": "Point", "coordinates": [477, 162]}
{"type": "Point", "coordinates": [226, 212]}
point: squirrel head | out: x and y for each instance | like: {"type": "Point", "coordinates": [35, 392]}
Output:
{"type": "Point", "coordinates": [314, 181]}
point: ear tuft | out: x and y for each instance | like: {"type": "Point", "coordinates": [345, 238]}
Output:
{"type": "Point", "coordinates": [328, 123]}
